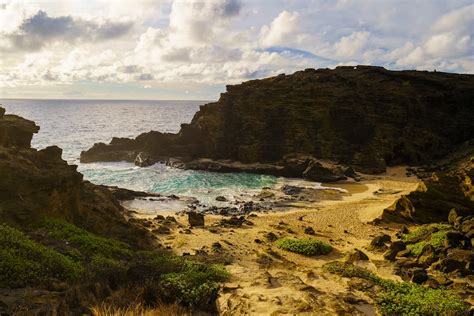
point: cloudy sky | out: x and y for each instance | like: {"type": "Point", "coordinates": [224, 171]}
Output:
{"type": "Point", "coordinates": [186, 49]}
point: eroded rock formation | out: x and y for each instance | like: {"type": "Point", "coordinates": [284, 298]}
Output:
{"type": "Point", "coordinates": [446, 186]}
{"type": "Point", "coordinates": [35, 184]}
{"type": "Point", "coordinates": [365, 117]}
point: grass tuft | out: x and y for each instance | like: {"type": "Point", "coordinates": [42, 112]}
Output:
{"type": "Point", "coordinates": [304, 246]}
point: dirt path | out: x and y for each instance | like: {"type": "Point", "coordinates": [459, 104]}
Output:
{"type": "Point", "coordinates": [269, 281]}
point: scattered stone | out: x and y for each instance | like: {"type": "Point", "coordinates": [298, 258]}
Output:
{"type": "Point", "coordinates": [234, 221]}
{"type": "Point", "coordinates": [195, 219]}
{"type": "Point", "coordinates": [403, 231]}
{"type": "Point", "coordinates": [159, 217]}
{"type": "Point", "coordinates": [380, 241]}
{"type": "Point", "coordinates": [221, 198]}
{"type": "Point", "coordinates": [216, 246]}
{"type": "Point", "coordinates": [404, 253]}
{"type": "Point", "coordinates": [397, 246]}
{"type": "Point", "coordinates": [357, 255]}
{"type": "Point", "coordinates": [419, 276]}
{"type": "Point", "coordinates": [390, 255]}
{"type": "Point", "coordinates": [452, 216]}
{"type": "Point", "coordinates": [170, 219]}
{"type": "Point", "coordinates": [162, 230]}
{"type": "Point", "coordinates": [454, 239]}
{"type": "Point", "coordinates": [346, 232]}
{"type": "Point", "coordinates": [258, 241]}
{"type": "Point", "coordinates": [309, 231]}
{"type": "Point", "coordinates": [291, 190]}
{"type": "Point", "coordinates": [427, 256]}
{"type": "Point", "coordinates": [449, 265]}
{"type": "Point", "coordinates": [271, 236]}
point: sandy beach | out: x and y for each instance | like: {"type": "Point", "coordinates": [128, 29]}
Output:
{"type": "Point", "coordinates": [269, 281]}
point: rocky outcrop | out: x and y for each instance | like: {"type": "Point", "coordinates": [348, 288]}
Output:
{"type": "Point", "coordinates": [446, 187]}
{"type": "Point", "coordinates": [35, 184]}
{"type": "Point", "coordinates": [365, 117]}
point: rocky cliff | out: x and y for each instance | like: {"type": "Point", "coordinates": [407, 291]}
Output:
{"type": "Point", "coordinates": [35, 184]}
{"type": "Point", "coordinates": [365, 117]}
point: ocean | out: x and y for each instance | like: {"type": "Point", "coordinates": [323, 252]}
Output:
{"type": "Point", "coordinates": [75, 125]}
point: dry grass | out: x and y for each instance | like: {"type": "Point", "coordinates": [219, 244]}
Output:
{"type": "Point", "coordinates": [139, 310]}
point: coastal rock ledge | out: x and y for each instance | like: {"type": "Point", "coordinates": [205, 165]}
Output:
{"type": "Point", "coordinates": [359, 118]}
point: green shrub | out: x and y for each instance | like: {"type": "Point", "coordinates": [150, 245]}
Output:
{"type": "Point", "coordinates": [350, 271]}
{"type": "Point", "coordinates": [195, 285]}
{"type": "Point", "coordinates": [436, 240]}
{"type": "Point", "coordinates": [402, 298]}
{"type": "Point", "coordinates": [26, 262]}
{"type": "Point", "coordinates": [305, 246]}
{"type": "Point", "coordinates": [425, 230]}
{"type": "Point", "coordinates": [87, 243]}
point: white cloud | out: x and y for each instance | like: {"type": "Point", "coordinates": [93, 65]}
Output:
{"type": "Point", "coordinates": [195, 45]}
{"type": "Point", "coordinates": [350, 46]}
{"type": "Point", "coordinates": [281, 31]}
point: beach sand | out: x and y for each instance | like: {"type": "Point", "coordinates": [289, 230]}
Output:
{"type": "Point", "coordinates": [266, 280]}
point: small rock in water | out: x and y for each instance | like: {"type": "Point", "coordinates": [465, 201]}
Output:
{"type": "Point", "coordinates": [221, 198]}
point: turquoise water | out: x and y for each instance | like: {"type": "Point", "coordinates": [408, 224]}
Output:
{"type": "Point", "coordinates": [75, 125]}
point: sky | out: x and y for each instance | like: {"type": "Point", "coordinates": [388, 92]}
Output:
{"type": "Point", "coordinates": [187, 49]}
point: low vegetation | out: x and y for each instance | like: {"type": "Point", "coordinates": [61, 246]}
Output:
{"type": "Point", "coordinates": [402, 298]}
{"type": "Point", "coordinates": [25, 262]}
{"type": "Point", "coordinates": [425, 230]}
{"type": "Point", "coordinates": [304, 246]}
{"type": "Point", "coordinates": [61, 251]}
{"type": "Point", "coordinates": [431, 234]}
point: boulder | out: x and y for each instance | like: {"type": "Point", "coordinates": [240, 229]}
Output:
{"type": "Point", "coordinates": [143, 160]}
{"type": "Point", "coordinates": [455, 239]}
{"type": "Point", "coordinates": [419, 276]}
{"type": "Point", "coordinates": [380, 241]}
{"type": "Point", "coordinates": [356, 255]}
{"type": "Point", "coordinates": [195, 219]}
{"type": "Point", "coordinates": [397, 246]}
{"type": "Point", "coordinates": [324, 171]}
{"type": "Point", "coordinates": [390, 255]}
{"type": "Point", "coordinates": [449, 265]}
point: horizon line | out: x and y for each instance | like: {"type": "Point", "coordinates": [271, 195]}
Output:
{"type": "Point", "coordinates": [100, 99]}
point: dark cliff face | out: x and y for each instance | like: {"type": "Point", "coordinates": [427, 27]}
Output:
{"type": "Point", "coordinates": [362, 116]}
{"type": "Point", "coordinates": [37, 184]}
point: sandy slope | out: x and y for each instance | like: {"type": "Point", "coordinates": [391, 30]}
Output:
{"type": "Point", "coordinates": [269, 281]}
